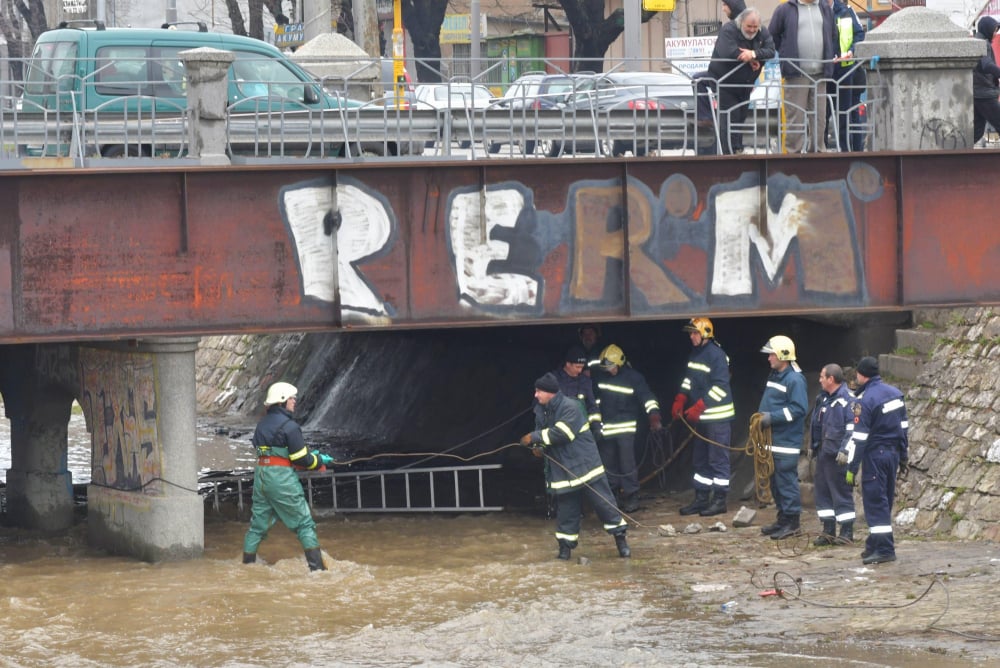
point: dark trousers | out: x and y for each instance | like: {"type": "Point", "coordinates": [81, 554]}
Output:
{"type": "Point", "coordinates": [618, 455]}
{"type": "Point", "coordinates": [878, 492]}
{"type": "Point", "coordinates": [985, 110]}
{"type": "Point", "coordinates": [598, 493]}
{"type": "Point", "coordinates": [847, 92]}
{"type": "Point", "coordinates": [834, 497]}
{"type": "Point", "coordinates": [710, 462]}
{"type": "Point", "coordinates": [785, 484]}
{"type": "Point", "coordinates": [732, 108]}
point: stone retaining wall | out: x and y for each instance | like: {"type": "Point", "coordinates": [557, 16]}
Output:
{"type": "Point", "coordinates": [953, 408]}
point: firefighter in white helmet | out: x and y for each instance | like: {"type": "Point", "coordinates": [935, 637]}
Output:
{"type": "Point", "coordinates": [277, 491]}
{"type": "Point", "coordinates": [783, 408]}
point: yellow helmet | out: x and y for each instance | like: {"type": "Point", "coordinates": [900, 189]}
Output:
{"type": "Point", "coordinates": [279, 393]}
{"type": "Point", "coordinates": [612, 356]}
{"type": "Point", "coordinates": [701, 325]}
{"type": "Point", "coordinates": [781, 346]}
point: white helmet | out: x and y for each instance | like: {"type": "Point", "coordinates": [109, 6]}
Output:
{"type": "Point", "coordinates": [279, 393]}
{"type": "Point", "coordinates": [781, 346]}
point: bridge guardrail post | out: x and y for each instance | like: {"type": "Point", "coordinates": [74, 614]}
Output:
{"type": "Point", "coordinates": [207, 76]}
{"type": "Point", "coordinates": [925, 65]}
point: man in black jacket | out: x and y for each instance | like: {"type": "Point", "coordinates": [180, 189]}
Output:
{"type": "Point", "coordinates": [742, 47]}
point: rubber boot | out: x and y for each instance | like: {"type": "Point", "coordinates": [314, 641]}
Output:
{"type": "Point", "coordinates": [846, 536]}
{"type": "Point", "coordinates": [314, 557]}
{"type": "Point", "coordinates": [564, 550]}
{"type": "Point", "coordinates": [788, 529]}
{"type": "Point", "coordinates": [699, 504]}
{"type": "Point", "coordinates": [630, 503]}
{"type": "Point", "coordinates": [718, 505]}
{"type": "Point", "coordinates": [775, 527]}
{"type": "Point", "coordinates": [827, 537]}
{"type": "Point", "coordinates": [623, 549]}
{"type": "Point", "coordinates": [249, 557]}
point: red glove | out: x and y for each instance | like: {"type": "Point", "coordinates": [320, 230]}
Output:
{"type": "Point", "coordinates": [526, 440]}
{"type": "Point", "coordinates": [678, 408]}
{"type": "Point", "coordinates": [693, 414]}
{"type": "Point", "coordinates": [655, 422]}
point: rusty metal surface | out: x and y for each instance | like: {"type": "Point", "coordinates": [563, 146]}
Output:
{"type": "Point", "coordinates": [111, 254]}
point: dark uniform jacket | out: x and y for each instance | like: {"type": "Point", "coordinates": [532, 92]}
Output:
{"type": "Point", "coordinates": [278, 435]}
{"type": "Point", "coordinates": [882, 422]}
{"type": "Point", "coordinates": [708, 379]}
{"type": "Point", "coordinates": [785, 399]}
{"type": "Point", "coordinates": [621, 398]}
{"type": "Point", "coordinates": [580, 388]}
{"type": "Point", "coordinates": [562, 429]}
{"type": "Point", "coordinates": [833, 421]}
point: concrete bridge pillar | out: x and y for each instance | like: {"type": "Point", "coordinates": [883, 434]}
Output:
{"type": "Point", "coordinates": [38, 384]}
{"type": "Point", "coordinates": [140, 404]}
{"type": "Point", "coordinates": [208, 96]}
{"type": "Point", "coordinates": [924, 92]}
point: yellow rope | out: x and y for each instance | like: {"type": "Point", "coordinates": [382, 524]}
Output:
{"type": "Point", "coordinates": [759, 448]}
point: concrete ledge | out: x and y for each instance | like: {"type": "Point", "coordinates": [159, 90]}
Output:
{"type": "Point", "coordinates": [900, 366]}
{"type": "Point", "coordinates": [921, 340]}
{"type": "Point", "coordinates": [151, 528]}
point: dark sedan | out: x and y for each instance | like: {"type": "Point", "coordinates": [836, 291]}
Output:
{"type": "Point", "coordinates": [665, 98]}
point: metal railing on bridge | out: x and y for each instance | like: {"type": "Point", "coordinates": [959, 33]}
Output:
{"type": "Point", "coordinates": [593, 114]}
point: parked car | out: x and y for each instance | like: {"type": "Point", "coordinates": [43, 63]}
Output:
{"type": "Point", "coordinates": [657, 94]}
{"type": "Point", "coordinates": [535, 91]}
{"type": "Point", "coordinates": [455, 95]}
{"type": "Point", "coordinates": [114, 70]}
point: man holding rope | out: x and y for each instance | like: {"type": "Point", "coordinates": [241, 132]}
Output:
{"type": "Point", "coordinates": [562, 435]}
{"type": "Point", "coordinates": [783, 408]}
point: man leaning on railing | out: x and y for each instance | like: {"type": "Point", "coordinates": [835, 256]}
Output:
{"type": "Point", "coordinates": [740, 50]}
{"type": "Point", "coordinates": [804, 35]}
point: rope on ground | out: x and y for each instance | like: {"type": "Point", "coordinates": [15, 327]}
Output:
{"type": "Point", "coordinates": [782, 592]}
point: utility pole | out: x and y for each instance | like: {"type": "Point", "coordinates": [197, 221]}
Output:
{"type": "Point", "coordinates": [366, 27]}
{"type": "Point", "coordinates": [633, 34]}
{"type": "Point", "coordinates": [475, 38]}
{"type": "Point", "coordinates": [171, 15]}
{"type": "Point", "coordinates": [315, 18]}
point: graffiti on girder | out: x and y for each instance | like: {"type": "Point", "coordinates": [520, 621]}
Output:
{"type": "Point", "coordinates": [674, 249]}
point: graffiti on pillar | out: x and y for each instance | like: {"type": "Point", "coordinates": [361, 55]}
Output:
{"type": "Point", "coordinates": [750, 235]}
{"type": "Point", "coordinates": [119, 400]}
{"type": "Point", "coordinates": [365, 227]}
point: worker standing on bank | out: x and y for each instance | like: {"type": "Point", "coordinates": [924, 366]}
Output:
{"type": "Point", "coordinates": [783, 408]}
{"type": "Point", "coordinates": [277, 491]}
{"type": "Point", "coordinates": [562, 434]}
{"type": "Point", "coordinates": [832, 427]}
{"type": "Point", "coordinates": [705, 401]}
{"type": "Point", "coordinates": [622, 395]}
{"type": "Point", "coordinates": [880, 447]}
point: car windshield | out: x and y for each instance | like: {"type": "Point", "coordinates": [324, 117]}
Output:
{"type": "Point", "coordinates": [51, 62]}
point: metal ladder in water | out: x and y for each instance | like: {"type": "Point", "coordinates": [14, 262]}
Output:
{"type": "Point", "coordinates": [375, 491]}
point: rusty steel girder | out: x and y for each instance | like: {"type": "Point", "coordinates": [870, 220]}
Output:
{"type": "Point", "coordinates": [127, 253]}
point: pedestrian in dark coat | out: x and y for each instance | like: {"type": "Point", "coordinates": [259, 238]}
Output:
{"type": "Point", "coordinates": [985, 77]}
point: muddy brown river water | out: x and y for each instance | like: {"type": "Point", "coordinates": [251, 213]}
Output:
{"type": "Point", "coordinates": [486, 590]}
